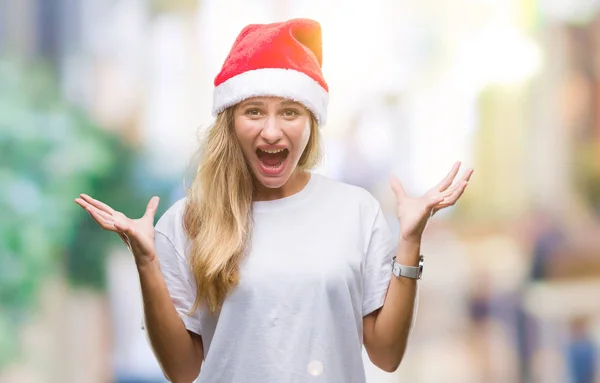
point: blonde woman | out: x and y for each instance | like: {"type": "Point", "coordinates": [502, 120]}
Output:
{"type": "Point", "coordinates": [267, 272]}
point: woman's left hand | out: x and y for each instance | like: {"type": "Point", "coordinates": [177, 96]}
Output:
{"type": "Point", "coordinates": [414, 212]}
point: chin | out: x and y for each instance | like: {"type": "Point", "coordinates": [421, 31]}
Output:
{"type": "Point", "coordinates": [272, 182]}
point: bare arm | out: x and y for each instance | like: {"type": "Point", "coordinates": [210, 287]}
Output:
{"type": "Point", "coordinates": [386, 330]}
{"type": "Point", "coordinates": [179, 351]}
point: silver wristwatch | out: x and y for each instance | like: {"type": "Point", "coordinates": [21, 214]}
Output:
{"type": "Point", "coordinates": [407, 271]}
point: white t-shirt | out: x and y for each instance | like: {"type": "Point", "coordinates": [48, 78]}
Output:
{"type": "Point", "coordinates": [319, 261]}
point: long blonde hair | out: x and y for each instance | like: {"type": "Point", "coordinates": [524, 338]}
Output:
{"type": "Point", "coordinates": [218, 212]}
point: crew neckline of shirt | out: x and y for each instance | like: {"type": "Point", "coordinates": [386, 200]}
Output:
{"type": "Point", "coordinates": [289, 201]}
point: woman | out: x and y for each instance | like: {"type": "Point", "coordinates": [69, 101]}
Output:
{"type": "Point", "coordinates": [266, 272]}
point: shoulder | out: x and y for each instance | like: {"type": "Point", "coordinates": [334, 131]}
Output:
{"type": "Point", "coordinates": [345, 191]}
{"type": "Point", "coordinates": [172, 217]}
{"type": "Point", "coordinates": [170, 224]}
{"type": "Point", "coordinates": [339, 193]}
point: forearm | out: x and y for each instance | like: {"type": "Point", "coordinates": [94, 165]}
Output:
{"type": "Point", "coordinates": [173, 346]}
{"type": "Point", "coordinates": [393, 323]}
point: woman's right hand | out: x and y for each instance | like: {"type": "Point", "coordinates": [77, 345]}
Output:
{"type": "Point", "coordinates": [138, 234]}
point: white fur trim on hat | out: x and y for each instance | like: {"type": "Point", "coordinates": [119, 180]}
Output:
{"type": "Point", "coordinates": [286, 83]}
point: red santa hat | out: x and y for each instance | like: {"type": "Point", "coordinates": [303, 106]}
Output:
{"type": "Point", "coordinates": [279, 59]}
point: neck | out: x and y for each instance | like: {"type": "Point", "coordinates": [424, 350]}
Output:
{"type": "Point", "coordinates": [294, 184]}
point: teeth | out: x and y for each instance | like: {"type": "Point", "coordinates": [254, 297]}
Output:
{"type": "Point", "coordinates": [272, 151]}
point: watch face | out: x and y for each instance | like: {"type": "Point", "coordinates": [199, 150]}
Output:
{"type": "Point", "coordinates": [396, 269]}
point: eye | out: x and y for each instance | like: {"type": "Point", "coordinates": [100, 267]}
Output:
{"type": "Point", "coordinates": [253, 112]}
{"type": "Point", "coordinates": [291, 113]}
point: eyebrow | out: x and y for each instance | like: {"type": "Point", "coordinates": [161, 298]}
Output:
{"type": "Point", "coordinates": [253, 103]}
{"type": "Point", "coordinates": [290, 103]}
{"type": "Point", "coordinates": [260, 103]}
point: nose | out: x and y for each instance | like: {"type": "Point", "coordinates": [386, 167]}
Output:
{"type": "Point", "coordinates": [271, 132]}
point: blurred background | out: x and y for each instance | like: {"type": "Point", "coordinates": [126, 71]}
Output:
{"type": "Point", "coordinates": [107, 97]}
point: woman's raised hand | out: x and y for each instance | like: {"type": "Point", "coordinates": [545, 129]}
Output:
{"type": "Point", "coordinates": [138, 234]}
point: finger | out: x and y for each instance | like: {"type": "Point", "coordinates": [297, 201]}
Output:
{"type": "Point", "coordinates": [465, 178]}
{"type": "Point", "coordinates": [397, 187]}
{"type": "Point", "coordinates": [439, 197]}
{"type": "Point", "coordinates": [151, 208]}
{"type": "Point", "coordinates": [82, 203]}
{"type": "Point", "coordinates": [100, 220]}
{"type": "Point", "coordinates": [451, 199]}
{"type": "Point", "coordinates": [125, 228]}
{"type": "Point", "coordinates": [447, 181]}
{"type": "Point", "coordinates": [467, 175]}
{"type": "Point", "coordinates": [122, 226]}
{"type": "Point", "coordinates": [104, 215]}
{"type": "Point", "coordinates": [103, 219]}
{"type": "Point", "coordinates": [100, 205]}
{"type": "Point", "coordinates": [448, 192]}
{"type": "Point", "coordinates": [434, 201]}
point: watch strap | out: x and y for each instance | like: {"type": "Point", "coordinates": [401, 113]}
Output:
{"type": "Point", "coordinates": [413, 272]}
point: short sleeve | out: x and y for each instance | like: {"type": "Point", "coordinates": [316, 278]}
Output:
{"type": "Point", "coordinates": [179, 280]}
{"type": "Point", "coordinates": [377, 269]}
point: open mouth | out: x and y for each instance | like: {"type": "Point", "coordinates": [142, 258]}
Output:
{"type": "Point", "coordinates": [272, 159]}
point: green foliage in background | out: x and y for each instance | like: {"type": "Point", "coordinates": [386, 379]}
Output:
{"type": "Point", "coordinates": [49, 153]}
